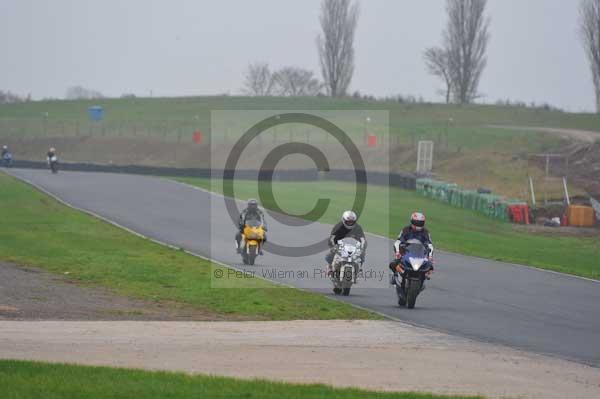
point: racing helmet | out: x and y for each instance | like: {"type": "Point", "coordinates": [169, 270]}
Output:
{"type": "Point", "coordinates": [417, 221]}
{"type": "Point", "coordinates": [349, 219]}
{"type": "Point", "coordinates": [252, 204]}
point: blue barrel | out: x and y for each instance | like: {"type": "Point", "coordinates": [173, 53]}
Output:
{"type": "Point", "coordinates": [95, 113]}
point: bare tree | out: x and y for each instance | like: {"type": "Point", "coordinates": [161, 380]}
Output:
{"type": "Point", "coordinates": [590, 34]}
{"type": "Point", "coordinates": [336, 44]}
{"type": "Point", "coordinates": [436, 60]}
{"type": "Point", "coordinates": [465, 40]}
{"type": "Point", "coordinates": [82, 93]}
{"type": "Point", "coordinates": [293, 81]}
{"type": "Point", "coordinates": [6, 97]}
{"type": "Point", "coordinates": [259, 80]}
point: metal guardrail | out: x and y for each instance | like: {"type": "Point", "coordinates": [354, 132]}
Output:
{"type": "Point", "coordinates": [400, 180]}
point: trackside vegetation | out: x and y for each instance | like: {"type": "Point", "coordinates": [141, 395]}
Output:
{"type": "Point", "coordinates": [29, 380]}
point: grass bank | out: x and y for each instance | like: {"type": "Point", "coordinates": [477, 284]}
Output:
{"type": "Point", "coordinates": [36, 230]}
{"type": "Point", "coordinates": [23, 380]}
{"type": "Point", "coordinates": [453, 229]}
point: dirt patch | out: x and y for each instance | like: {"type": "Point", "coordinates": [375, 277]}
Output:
{"type": "Point", "coordinates": [584, 166]}
{"type": "Point", "coordinates": [378, 355]}
{"type": "Point", "coordinates": [577, 134]}
{"type": "Point", "coordinates": [563, 231]}
{"type": "Point", "coordinates": [32, 294]}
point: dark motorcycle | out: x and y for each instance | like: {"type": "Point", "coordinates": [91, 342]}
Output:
{"type": "Point", "coordinates": [53, 163]}
{"type": "Point", "coordinates": [416, 266]}
{"type": "Point", "coordinates": [7, 159]}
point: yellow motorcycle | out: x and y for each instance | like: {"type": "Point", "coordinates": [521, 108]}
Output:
{"type": "Point", "coordinates": [252, 240]}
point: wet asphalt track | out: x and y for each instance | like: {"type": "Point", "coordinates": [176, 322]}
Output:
{"type": "Point", "coordinates": [485, 300]}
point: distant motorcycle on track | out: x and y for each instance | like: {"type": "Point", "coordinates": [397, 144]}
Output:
{"type": "Point", "coordinates": [53, 163]}
{"type": "Point", "coordinates": [7, 160]}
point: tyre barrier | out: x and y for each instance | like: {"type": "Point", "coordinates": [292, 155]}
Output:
{"type": "Point", "coordinates": [491, 205]}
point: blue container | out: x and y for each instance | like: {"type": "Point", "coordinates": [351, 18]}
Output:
{"type": "Point", "coordinates": [95, 113]}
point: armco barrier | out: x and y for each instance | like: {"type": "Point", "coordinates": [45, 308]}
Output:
{"type": "Point", "coordinates": [399, 180]}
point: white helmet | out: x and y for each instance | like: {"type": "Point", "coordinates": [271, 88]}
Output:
{"type": "Point", "coordinates": [417, 221]}
{"type": "Point", "coordinates": [52, 149]}
{"type": "Point", "coordinates": [349, 219]}
{"type": "Point", "coordinates": [4, 147]}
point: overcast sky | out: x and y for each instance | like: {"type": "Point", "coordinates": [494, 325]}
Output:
{"type": "Point", "coordinates": [194, 47]}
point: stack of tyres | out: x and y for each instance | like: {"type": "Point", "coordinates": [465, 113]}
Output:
{"type": "Point", "coordinates": [425, 187]}
{"type": "Point", "coordinates": [444, 192]}
{"type": "Point", "coordinates": [470, 199]}
{"type": "Point", "coordinates": [457, 197]}
{"type": "Point", "coordinates": [501, 210]}
{"type": "Point", "coordinates": [491, 205]}
{"type": "Point", "coordinates": [519, 213]}
{"type": "Point", "coordinates": [487, 203]}
{"type": "Point", "coordinates": [422, 184]}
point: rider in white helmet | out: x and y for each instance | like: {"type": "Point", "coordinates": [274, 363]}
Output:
{"type": "Point", "coordinates": [347, 227]}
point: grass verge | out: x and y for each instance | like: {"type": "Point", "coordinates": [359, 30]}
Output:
{"type": "Point", "coordinates": [36, 230]}
{"type": "Point", "coordinates": [453, 229]}
{"type": "Point", "coordinates": [22, 380]}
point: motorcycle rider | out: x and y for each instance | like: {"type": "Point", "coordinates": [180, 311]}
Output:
{"type": "Point", "coordinates": [252, 212]}
{"type": "Point", "coordinates": [347, 227]}
{"type": "Point", "coordinates": [414, 231]}
{"type": "Point", "coordinates": [6, 157]}
{"type": "Point", "coordinates": [51, 153]}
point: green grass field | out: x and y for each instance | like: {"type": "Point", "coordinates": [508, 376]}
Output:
{"type": "Point", "coordinates": [188, 108]}
{"type": "Point", "coordinates": [453, 229]}
{"type": "Point", "coordinates": [158, 131]}
{"type": "Point", "coordinates": [32, 380]}
{"type": "Point", "coordinates": [176, 118]}
{"type": "Point", "coordinates": [35, 230]}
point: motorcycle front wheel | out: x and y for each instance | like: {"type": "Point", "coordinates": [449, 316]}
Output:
{"type": "Point", "coordinates": [252, 253]}
{"type": "Point", "coordinates": [413, 288]}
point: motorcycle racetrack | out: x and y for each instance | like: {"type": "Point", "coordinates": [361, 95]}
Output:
{"type": "Point", "coordinates": [516, 306]}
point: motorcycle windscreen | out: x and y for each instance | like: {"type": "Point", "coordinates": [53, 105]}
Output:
{"type": "Point", "coordinates": [253, 222]}
{"type": "Point", "coordinates": [416, 251]}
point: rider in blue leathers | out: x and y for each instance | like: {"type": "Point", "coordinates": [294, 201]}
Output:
{"type": "Point", "coordinates": [415, 231]}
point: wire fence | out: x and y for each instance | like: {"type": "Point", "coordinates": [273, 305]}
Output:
{"type": "Point", "coordinates": [182, 131]}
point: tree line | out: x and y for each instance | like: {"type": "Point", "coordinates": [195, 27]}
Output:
{"type": "Point", "coordinates": [459, 61]}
